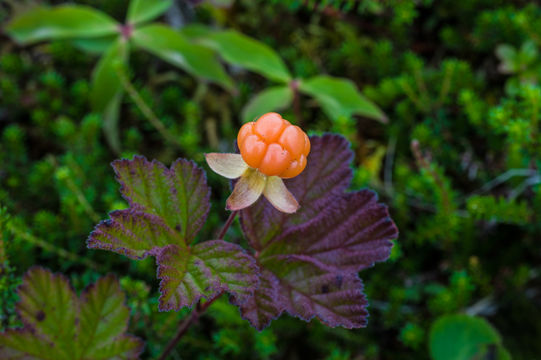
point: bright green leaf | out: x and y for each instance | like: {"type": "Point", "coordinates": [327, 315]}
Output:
{"type": "Point", "coordinates": [105, 81]}
{"type": "Point", "coordinates": [340, 97]}
{"type": "Point", "coordinates": [106, 91]}
{"type": "Point", "coordinates": [463, 337]}
{"type": "Point", "coordinates": [95, 45]}
{"type": "Point", "coordinates": [60, 326]}
{"type": "Point", "coordinates": [241, 50]}
{"type": "Point", "coordinates": [195, 31]}
{"type": "Point", "coordinates": [173, 47]}
{"type": "Point", "coordinates": [141, 11]}
{"type": "Point", "coordinates": [272, 99]}
{"type": "Point", "coordinates": [61, 22]}
{"type": "Point", "coordinates": [111, 117]}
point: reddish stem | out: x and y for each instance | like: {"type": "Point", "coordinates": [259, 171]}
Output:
{"type": "Point", "coordinates": [227, 224]}
{"type": "Point", "coordinates": [126, 30]}
{"type": "Point", "coordinates": [199, 309]}
{"type": "Point", "coordinates": [297, 108]}
{"type": "Point", "coordinates": [185, 325]}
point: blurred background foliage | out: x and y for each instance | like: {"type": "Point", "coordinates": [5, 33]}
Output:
{"type": "Point", "coordinates": [457, 161]}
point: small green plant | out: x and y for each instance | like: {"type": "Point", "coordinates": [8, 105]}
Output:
{"type": "Point", "coordinates": [60, 325]}
{"type": "Point", "coordinates": [190, 49]}
{"type": "Point", "coordinates": [478, 339]}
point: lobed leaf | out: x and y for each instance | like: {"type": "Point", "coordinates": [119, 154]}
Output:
{"type": "Point", "coordinates": [173, 47]}
{"type": "Point", "coordinates": [60, 22]}
{"type": "Point", "coordinates": [326, 177]}
{"type": "Point", "coordinates": [133, 233]}
{"type": "Point", "coordinates": [167, 209]}
{"type": "Point", "coordinates": [309, 260]}
{"type": "Point", "coordinates": [272, 99]}
{"type": "Point", "coordinates": [241, 50]}
{"type": "Point", "coordinates": [141, 11]}
{"type": "Point", "coordinates": [352, 234]}
{"type": "Point", "coordinates": [340, 97]}
{"type": "Point", "coordinates": [209, 268]}
{"type": "Point", "coordinates": [58, 325]}
{"type": "Point", "coordinates": [179, 196]}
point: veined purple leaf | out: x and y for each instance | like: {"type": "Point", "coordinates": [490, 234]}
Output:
{"type": "Point", "coordinates": [309, 260]}
{"type": "Point", "coordinates": [351, 234]}
{"type": "Point", "coordinates": [327, 175]}
{"type": "Point", "coordinates": [206, 270]}
{"type": "Point", "coordinates": [306, 289]}
{"type": "Point", "coordinates": [266, 304]}
{"type": "Point", "coordinates": [59, 326]}
{"type": "Point", "coordinates": [167, 209]}
{"type": "Point", "coordinates": [133, 233]}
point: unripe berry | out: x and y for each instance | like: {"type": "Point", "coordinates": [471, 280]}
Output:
{"type": "Point", "coordinates": [274, 146]}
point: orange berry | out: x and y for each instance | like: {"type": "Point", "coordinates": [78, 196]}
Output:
{"type": "Point", "coordinates": [275, 161]}
{"type": "Point", "coordinates": [274, 146]}
{"type": "Point", "coordinates": [253, 150]}
{"type": "Point", "coordinates": [295, 168]}
{"type": "Point", "coordinates": [245, 130]}
{"type": "Point", "coordinates": [269, 127]}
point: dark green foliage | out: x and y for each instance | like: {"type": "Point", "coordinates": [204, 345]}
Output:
{"type": "Point", "coordinates": [459, 77]}
{"type": "Point", "coordinates": [60, 325]}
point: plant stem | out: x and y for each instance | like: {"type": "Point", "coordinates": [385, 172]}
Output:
{"type": "Point", "coordinates": [185, 325]}
{"type": "Point", "coordinates": [297, 108]}
{"type": "Point", "coordinates": [145, 109]}
{"type": "Point", "coordinates": [17, 231]}
{"type": "Point", "coordinates": [227, 224]}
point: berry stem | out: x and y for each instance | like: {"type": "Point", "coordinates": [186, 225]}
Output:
{"type": "Point", "coordinates": [297, 108]}
{"type": "Point", "coordinates": [227, 224]}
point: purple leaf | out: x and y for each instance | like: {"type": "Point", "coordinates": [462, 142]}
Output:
{"type": "Point", "coordinates": [351, 234]}
{"type": "Point", "coordinates": [266, 304]}
{"type": "Point", "coordinates": [167, 209]}
{"type": "Point", "coordinates": [327, 175]}
{"type": "Point", "coordinates": [309, 260]}
{"type": "Point", "coordinates": [133, 233]}
{"type": "Point", "coordinates": [304, 288]}
{"type": "Point", "coordinates": [208, 269]}
{"type": "Point", "coordinates": [58, 325]}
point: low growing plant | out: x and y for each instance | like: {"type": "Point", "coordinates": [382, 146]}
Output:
{"type": "Point", "coordinates": [304, 261]}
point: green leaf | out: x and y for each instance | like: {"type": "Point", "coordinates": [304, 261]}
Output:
{"type": "Point", "coordinates": [167, 209]}
{"type": "Point", "coordinates": [106, 90]}
{"type": "Point", "coordinates": [111, 116]}
{"type": "Point", "coordinates": [105, 81]}
{"type": "Point", "coordinates": [180, 195]}
{"type": "Point", "coordinates": [95, 45]}
{"type": "Point", "coordinates": [60, 326]}
{"type": "Point", "coordinates": [241, 50]}
{"type": "Point", "coordinates": [272, 99]}
{"type": "Point", "coordinates": [61, 22]}
{"type": "Point", "coordinates": [463, 337]}
{"type": "Point", "coordinates": [174, 48]}
{"type": "Point", "coordinates": [340, 97]}
{"type": "Point", "coordinates": [141, 11]}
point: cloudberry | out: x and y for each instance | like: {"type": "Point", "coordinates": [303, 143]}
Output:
{"type": "Point", "coordinates": [274, 146]}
